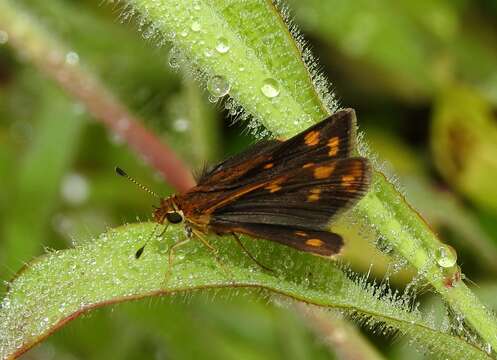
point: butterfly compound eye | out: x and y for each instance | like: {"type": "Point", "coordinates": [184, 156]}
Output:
{"type": "Point", "coordinates": [174, 217]}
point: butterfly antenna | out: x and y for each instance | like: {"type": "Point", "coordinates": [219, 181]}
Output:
{"type": "Point", "coordinates": [123, 173]}
{"type": "Point", "coordinates": [139, 252]}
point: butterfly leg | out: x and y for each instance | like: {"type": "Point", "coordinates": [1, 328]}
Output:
{"type": "Point", "coordinates": [237, 239]}
{"type": "Point", "coordinates": [170, 254]}
{"type": "Point", "coordinates": [214, 251]}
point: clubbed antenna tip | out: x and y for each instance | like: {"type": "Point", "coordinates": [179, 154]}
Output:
{"type": "Point", "coordinates": [121, 172]}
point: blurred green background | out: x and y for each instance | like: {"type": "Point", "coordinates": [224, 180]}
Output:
{"type": "Point", "coordinates": [422, 76]}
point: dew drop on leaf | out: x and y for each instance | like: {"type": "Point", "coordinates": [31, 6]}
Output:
{"type": "Point", "coordinates": [222, 45]}
{"type": "Point", "coordinates": [270, 88]}
{"type": "Point", "coordinates": [195, 26]}
{"type": "Point", "coordinates": [288, 262]}
{"type": "Point", "coordinates": [446, 256]}
{"type": "Point", "coordinates": [174, 58]}
{"type": "Point", "coordinates": [208, 52]}
{"type": "Point", "coordinates": [218, 86]}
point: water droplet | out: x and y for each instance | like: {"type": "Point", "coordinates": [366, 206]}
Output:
{"type": "Point", "coordinates": [222, 46]}
{"type": "Point", "coordinates": [218, 86]}
{"type": "Point", "coordinates": [208, 52]}
{"type": "Point", "coordinates": [288, 262]}
{"type": "Point", "coordinates": [196, 6]}
{"type": "Point", "coordinates": [72, 58]}
{"type": "Point", "coordinates": [446, 256]}
{"type": "Point", "coordinates": [270, 88]}
{"type": "Point", "coordinates": [4, 37]}
{"type": "Point", "coordinates": [181, 124]}
{"type": "Point", "coordinates": [196, 26]}
{"type": "Point", "coordinates": [74, 189]}
{"type": "Point", "coordinates": [62, 307]}
{"type": "Point", "coordinates": [5, 304]}
{"type": "Point", "coordinates": [174, 58]}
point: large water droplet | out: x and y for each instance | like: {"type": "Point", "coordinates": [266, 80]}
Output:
{"type": "Point", "coordinates": [4, 37]}
{"type": "Point", "coordinates": [218, 86]}
{"type": "Point", "coordinates": [270, 88]}
{"type": "Point", "coordinates": [72, 58]}
{"type": "Point", "coordinates": [446, 256]}
{"type": "Point", "coordinates": [74, 189]}
{"type": "Point", "coordinates": [222, 45]}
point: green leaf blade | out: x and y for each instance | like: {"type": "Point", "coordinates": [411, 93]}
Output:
{"type": "Point", "coordinates": [62, 285]}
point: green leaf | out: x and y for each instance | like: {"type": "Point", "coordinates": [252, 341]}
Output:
{"type": "Point", "coordinates": [62, 285]}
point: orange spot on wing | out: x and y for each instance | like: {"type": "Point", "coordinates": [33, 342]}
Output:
{"type": "Point", "coordinates": [348, 180]}
{"type": "Point", "coordinates": [333, 145]}
{"type": "Point", "coordinates": [273, 187]}
{"type": "Point", "coordinates": [315, 242]}
{"type": "Point", "coordinates": [268, 166]}
{"type": "Point", "coordinates": [323, 172]}
{"type": "Point", "coordinates": [312, 138]}
{"type": "Point", "coordinates": [314, 195]}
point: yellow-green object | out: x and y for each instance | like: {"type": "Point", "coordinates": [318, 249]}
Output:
{"type": "Point", "coordinates": [464, 145]}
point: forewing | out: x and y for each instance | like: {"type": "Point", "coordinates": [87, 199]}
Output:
{"type": "Point", "coordinates": [329, 139]}
{"type": "Point", "coordinates": [304, 198]}
{"type": "Point", "coordinates": [227, 173]}
{"type": "Point", "coordinates": [332, 138]}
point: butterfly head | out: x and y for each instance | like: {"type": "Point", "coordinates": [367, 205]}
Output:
{"type": "Point", "coordinates": [168, 211]}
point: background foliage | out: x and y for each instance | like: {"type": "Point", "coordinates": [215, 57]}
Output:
{"type": "Point", "coordinates": [421, 75]}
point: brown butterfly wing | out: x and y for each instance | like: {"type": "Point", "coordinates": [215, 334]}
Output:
{"type": "Point", "coordinates": [307, 198]}
{"type": "Point", "coordinates": [331, 138]}
{"type": "Point", "coordinates": [323, 243]}
{"type": "Point", "coordinates": [285, 187]}
{"type": "Point", "coordinates": [296, 208]}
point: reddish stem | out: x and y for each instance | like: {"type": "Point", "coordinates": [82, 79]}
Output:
{"type": "Point", "coordinates": [107, 109]}
{"type": "Point", "coordinates": [114, 115]}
